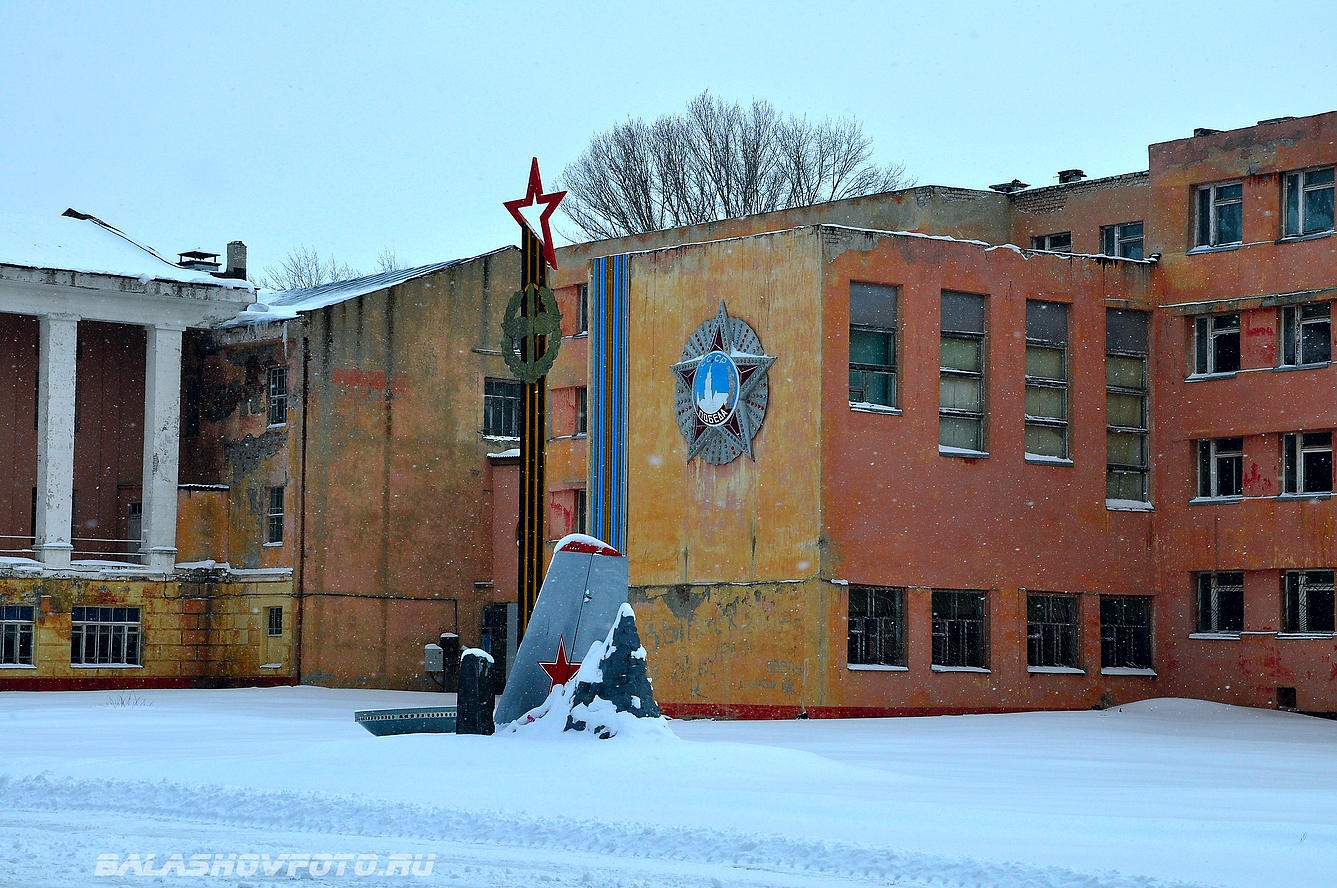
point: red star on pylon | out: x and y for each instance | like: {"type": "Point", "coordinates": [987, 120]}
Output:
{"type": "Point", "coordinates": [534, 195]}
{"type": "Point", "coordinates": [560, 670]}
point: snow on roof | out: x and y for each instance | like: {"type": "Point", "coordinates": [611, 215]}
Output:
{"type": "Point", "coordinates": [284, 305]}
{"type": "Point", "coordinates": [78, 242]}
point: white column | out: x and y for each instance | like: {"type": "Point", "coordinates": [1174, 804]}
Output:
{"type": "Point", "coordinates": [162, 426]}
{"type": "Point", "coordinates": [55, 438]}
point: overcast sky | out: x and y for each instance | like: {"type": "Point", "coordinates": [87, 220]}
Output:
{"type": "Point", "coordinates": [352, 128]}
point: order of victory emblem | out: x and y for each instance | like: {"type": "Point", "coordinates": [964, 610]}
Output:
{"type": "Point", "coordinates": [722, 389]}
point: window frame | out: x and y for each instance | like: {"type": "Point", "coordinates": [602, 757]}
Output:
{"type": "Point", "coordinates": [1292, 324]}
{"type": "Point", "coordinates": [1057, 242]}
{"type": "Point", "coordinates": [274, 627]}
{"type": "Point", "coordinates": [875, 635]}
{"type": "Point", "coordinates": [960, 641]}
{"type": "Point", "coordinates": [501, 408]}
{"type": "Point", "coordinates": [1116, 240]}
{"type": "Point", "coordinates": [1053, 643]}
{"type": "Point", "coordinates": [1038, 340]}
{"type": "Point", "coordinates": [979, 413]}
{"type": "Point", "coordinates": [1220, 602]}
{"type": "Point", "coordinates": [18, 623]}
{"type": "Point", "coordinates": [275, 510]}
{"type": "Point", "coordinates": [116, 637]}
{"type": "Point", "coordinates": [866, 325]}
{"type": "Point", "coordinates": [1296, 190]}
{"type": "Point", "coordinates": [1121, 641]}
{"type": "Point", "coordinates": [1128, 340]}
{"type": "Point", "coordinates": [1207, 214]}
{"type": "Point", "coordinates": [1212, 452]}
{"type": "Point", "coordinates": [1299, 588]}
{"type": "Point", "coordinates": [1209, 332]}
{"type": "Point", "coordinates": [276, 395]}
{"type": "Point", "coordinates": [1296, 468]}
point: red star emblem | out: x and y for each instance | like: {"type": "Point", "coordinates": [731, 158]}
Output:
{"type": "Point", "coordinates": [560, 670]}
{"type": "Point", "coordinates": [534, 196]}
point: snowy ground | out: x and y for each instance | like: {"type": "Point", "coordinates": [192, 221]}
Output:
{"type": "Point", "coordinates": [281, 781]}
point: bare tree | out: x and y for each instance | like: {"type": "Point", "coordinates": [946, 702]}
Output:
{"type": "Point", "coordinates": [303, 267]}
{"type": "Point", "coordinates": [716, 161]}
{"type": "Point", "coordinates": [387, 261]}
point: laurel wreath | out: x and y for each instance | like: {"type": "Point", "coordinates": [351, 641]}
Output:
{"type": "Point", "coordinates": [517, 326]}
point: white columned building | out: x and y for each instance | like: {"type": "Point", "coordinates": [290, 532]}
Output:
{"type": "Point", "coordinates": [76, 269]}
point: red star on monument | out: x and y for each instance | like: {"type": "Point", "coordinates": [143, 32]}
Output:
{"type": "Point", "coordinates": [560, 670]}
{"type": "Point", "coordinates": [534, 199]}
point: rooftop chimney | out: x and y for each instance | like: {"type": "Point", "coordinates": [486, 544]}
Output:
{"type": "Point", "coordinates": [1009, 187]}
{"type": "Point", "coordinates": [236, 261]}
{"type": "Point", "coordinates": [1066, 176]}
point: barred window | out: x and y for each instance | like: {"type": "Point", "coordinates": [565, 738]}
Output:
{"type": "Point", "coordinates": [278, 395]}
{"type": "Point", "coordinates": [1308, 601]}
{"type": "Point", "coordinates": [16, 635]}
{"type": "Point", "coordinates": [1221, 602]}
{"type": "Point", "coordinates": [960, 628]}
{"type": "Point", "coordinates": [274, 517]}
{"type": "Point", "coordinates": [1125, 632]}
{"type": "Point", "coordinates": [1052, 630]}
{"type": "Point", "coordinates": [876, 628]}
{"type": "Point", "coordinates": [275, 621]}
{"type": "Point", "coordinates": [104, 636]}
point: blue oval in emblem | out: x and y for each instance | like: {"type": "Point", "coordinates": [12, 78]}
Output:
{"type": "Point", "coordinates": [715, 388]}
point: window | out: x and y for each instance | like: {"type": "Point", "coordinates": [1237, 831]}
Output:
{"type": "Point", "coordinates": [1126, 405]}
{"type": "Point", "coordinates": [567, 511]}
{"type": "Point", "coordinates": [501, 408]}
{"type": "Point", "coordinates": [1309, 600]}
{"type": "Point", "coordinates": [872, 344]}
{"type": "Point", "coordinates": [582, 411]}
{"type": "Point", "coordinates": [1220, 216]}
{"type": "Point", "coordinates": [960, 629]}
{"type": "Point", "coordinates": [1125, 632]}
{"type": "Point", "coordinates": [1058, 243]}
{"type": "Point", "coordinates": [1308, 202]}
{"type": "Point", "coordinates": [582, 511]}
{"type": "Point", "coordinates": [1221, 602]}
{"type": "Point", "coordinates": [104, 636]}
{"type": "Point", "coordinates": [582, 309]}
{"type": "Point", "coordinates": [1221, 467]}
{"type": "Point", "coordinates": [1123, 240]}
{"type": "Point", "coordinates": [1046, 379]}
{"type": "Point", "coordinates": [961, 384]}
{"type": "Point", "coordinates": [278, 395]}
{"type": "Point", "coordinates": [134, 526]}
{"type": "Point", "coordinates": [16, 632]}
{"type": "Point", "coordinates": [1051, 631]}
{"type": "Point", "coordinates": [1216, 344]}
{"type": "Point", "coordinates": [1306, 334]}
{"type": "Point", "coordinates": [876, 628]}
{"type": "Point", "coordinates": [274, 518]}
{"type": "Point", "coordinates": [275, 622]}
{"type": "Point", "coordinates": [1306, 462]}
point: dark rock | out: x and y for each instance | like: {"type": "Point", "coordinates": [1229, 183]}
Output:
{"type": "Point", "coordinates": [625, 684]}
{"type": "Point", "coordinates": [476, 698]}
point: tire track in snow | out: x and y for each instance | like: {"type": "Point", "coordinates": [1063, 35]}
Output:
{"type": "Point", "coordinates": [312, 812]}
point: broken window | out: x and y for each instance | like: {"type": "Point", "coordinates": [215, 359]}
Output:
{"type": "Point", "coordinates": [1060, 242]}
{"type": "Point", "coordinates": [1125, 632]}
{"type": "Point", "coordinates": [275, 622]}
{"type": "Point", "coordinates": [873, 344]}
{"type": "Point", "coordinates": [1308, 201]}
{"type": "Point", "coordinates": [277, 388]}
{"type": "Point", "coordinates": [1046, 379]}
{"type": "Point", "coordinates": [960, 629]}
{"type": "Point", "coordinates": [1123, 240]}
{"type": "Point", "coordinates": [1220, 215]}
{"type": "Point", "coordinates": [104, 636]}
{"type": "Point", "coordinates": [961, 384]}
{"type": "Point", "coordinates": [1216, 343]}
{"type": "Point", "coordinates": [1052, 630]}
{"type": "Point", "coordinates": [501, 408]}
{"type": "Point", "coordinates": [876, 626]}
{"type": "Point", "coordinates": [16, 635]}
{"type": "Point", "coordinates": [1126, 405]}
{"type": "Point", "coordinates": [1308, 601]}
{"type": "Point", "coordinates": [1307, 462]}
{"type": "Point", "coordinates": [1306, 334]}
{"type": "Point", "coordinates": [274, 517]}
{"type": "Point", "coordinates": [1221, 467]}
{"type": "Point", "coordinates": [1221, 602]}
